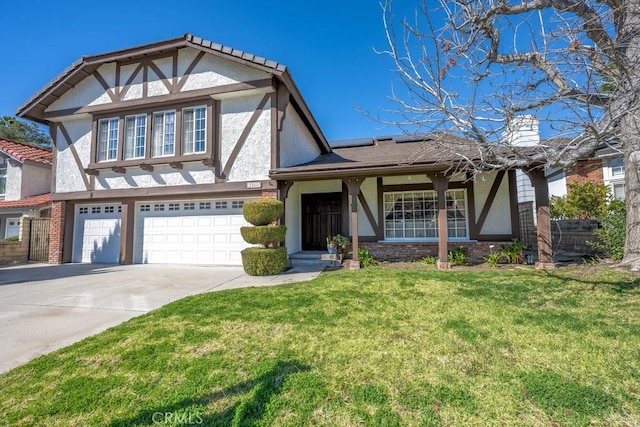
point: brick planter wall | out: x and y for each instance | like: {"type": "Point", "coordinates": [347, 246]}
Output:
{"type": "Point", "coordinates": [56, 233]}
{"type": "Point", "coordinates": [415, 251]}
{"type": "Point", "coordinates": [17, 252]}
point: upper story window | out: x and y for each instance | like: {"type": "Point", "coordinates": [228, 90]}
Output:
{"type": "Point", "coordinates": [164, 133]}
{"type": "Point", "coordinates": [107, 139]}
{"type": "Point", "coordinates": [3, 181]}
{"type": "Point", "coordinates": [154, 136]}
{"type": "Point", "coordinates": [194, 127]}
{"type": "Point", "coordinates": [617, 167]}
{"type": "Point", "coordinates": [135, 136]}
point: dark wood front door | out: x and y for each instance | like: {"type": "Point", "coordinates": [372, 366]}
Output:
{"type": "Point", "coordinates": [321, 217]}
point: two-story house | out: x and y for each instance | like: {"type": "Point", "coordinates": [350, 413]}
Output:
{"type": "Point", "coordinates": [157, 147]}
{"type": "Point", "coordinates": [25, 182]}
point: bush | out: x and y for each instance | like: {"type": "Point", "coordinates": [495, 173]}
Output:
{"type": "Point", "coordinates": [262, 211]}
{"type": "Point", "coordinates": [582, 201]}
{"type": "Point", "coordinates": [613, 232]}
{"type": "Point", "coordinates": [264, 262]}
{"type": "Point", "coordinates": [266, 235]}
{"type": "Point", "coordinates": [366, 260]}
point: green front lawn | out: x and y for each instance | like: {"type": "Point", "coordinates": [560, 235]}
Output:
{"type": "Point", "coordinates": [370, 347]}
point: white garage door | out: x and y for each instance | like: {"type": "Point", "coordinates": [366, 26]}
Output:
{"type": "Point", "coordinates": [96, 233]}
{"type": "Point", "coordinates": [190, 232]}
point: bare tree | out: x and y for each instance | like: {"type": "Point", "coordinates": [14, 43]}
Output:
{"type": "Point", "coordinates": [470, 67]}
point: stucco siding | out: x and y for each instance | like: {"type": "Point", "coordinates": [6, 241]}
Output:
{"type": "Point", "coordinates": [254, 159]}
{"type": "Point", "coordinates": [369, 189]}
{"type": "Point", "coordinates": [87, 92]}
{"type": "Point", "coordinates": [498, 220]}
{"type": "Point", "coordinates": [297, 145]}
{"type": "Point", "coordinates": [36, 180]}
{"type": "Point", "coordinates": [14, 180]}
{"type": "Point", "coordinates": [162, 176]}
{"type": "Point", "coordinates": [214, 71]}
{"type": "Point", "coordinates": [69, 175]}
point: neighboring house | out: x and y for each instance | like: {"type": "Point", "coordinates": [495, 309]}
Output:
{"type": "Point", "coordinates": [606, 167]}
{"type": "Point", "coordinates": [25, 182]}
{"type": "Point", "coordinates": [157, 147]}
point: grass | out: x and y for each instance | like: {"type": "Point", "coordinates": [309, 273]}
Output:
{"type": "Point", "coordinates": [372, 347]}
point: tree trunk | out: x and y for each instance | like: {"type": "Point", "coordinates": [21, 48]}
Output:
{"type": "Point", "coordinates": [628, 39]}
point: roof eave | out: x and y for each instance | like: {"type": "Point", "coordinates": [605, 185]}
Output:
{"type": "Point", "coordinates": [363, 171]}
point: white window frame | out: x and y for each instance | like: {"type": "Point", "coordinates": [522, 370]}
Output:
{"type": "Point", "coordinates": [159, 140]}
{"type": "Point", "coordinates": [3, 181]}
{"type": "Point", "coordinates": [616, 171]}
{"type": "Point", "coordinates": [613, 189]}
{"type": "Point", "coordinates": [190, 130]}
{"type": "Point", "coordinates": [132, 142]}
{"type": "Point", "coordinates": [432, 220]}
{"type": "Point", "coordinates": [106, 152]}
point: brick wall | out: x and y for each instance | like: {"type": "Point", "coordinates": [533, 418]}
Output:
{"type": "Point", "coordinates": [17, 252]}
{"type": "Point", "coordinates": [585, 171]}
{"type": "Point", "coordinates": [270, 194]}
{"type": "Point", "coordinates": [56, 233]}
{"type": "Point", "coordinates": [391, 251]}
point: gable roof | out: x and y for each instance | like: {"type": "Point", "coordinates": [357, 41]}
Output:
{"type": "Point", "coordinates": [34, 107]}
{"type": "Point", "coordinates": [22, 152]}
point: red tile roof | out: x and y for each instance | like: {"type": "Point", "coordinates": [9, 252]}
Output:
{"type": "Point", "coordinates": [29, 202]}
{"type": "Point", "coordinates": [22, 151]}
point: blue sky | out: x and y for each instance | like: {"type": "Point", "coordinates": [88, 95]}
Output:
{"type": "Point", "coordinates": [328, 46]}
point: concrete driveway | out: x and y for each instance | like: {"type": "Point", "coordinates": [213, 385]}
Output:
{"type": "Point", "coordinates": [44, 308]}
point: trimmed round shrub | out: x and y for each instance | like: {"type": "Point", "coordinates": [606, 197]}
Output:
{"type": "Point", "coordinates": [266, 235]}
{"type": "Point", "coordinates": [262, 211]}
{"type": "Point", "coordinates": [264, 262]}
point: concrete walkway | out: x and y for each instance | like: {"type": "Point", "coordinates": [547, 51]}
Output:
{"type": "Point", "coordinates": [44, 308]}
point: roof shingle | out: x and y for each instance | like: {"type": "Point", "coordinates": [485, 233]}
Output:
{"type": "Point", "coordinates": [26, 152]}
{"type": "Point", "coordinates": [39, 201]}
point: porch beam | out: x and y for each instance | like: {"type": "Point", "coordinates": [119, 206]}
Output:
{"type": "Point", "coordinates": [543, 218]}
{"type": "Point", "coordinates": [440, 182]}
{"type": "Point", "coordinates": [353, 186]}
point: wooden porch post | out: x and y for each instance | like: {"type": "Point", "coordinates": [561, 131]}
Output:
{"type": "Point", "coordinates": [440, 184]}
{"type": "Point", "coordinates": [543, 218]}
{"type": "Point", "coordinates": [353, 185]}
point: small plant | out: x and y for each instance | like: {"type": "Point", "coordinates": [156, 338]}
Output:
{"type": "Point", "coordinates": [493, 259]}
{"type": "Point", "coordinates": [366, 260]}
{"type": "Point", "coordinates": [339, 242]}
{"type": "Point", "coordinates": [429, 260]}
{"type": "Point", "coordinates": [458, 256]}
{"type": "Point", "coordinates": [11, 239]}
{"type": "Point", "coordinates": [513, 252]}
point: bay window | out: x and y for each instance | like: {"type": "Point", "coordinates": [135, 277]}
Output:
{"type": "Point", "coordinates": [413, 215]}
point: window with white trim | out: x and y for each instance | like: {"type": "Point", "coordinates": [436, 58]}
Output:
{"type": "Point", "coordinates": [237, 204]}
{"type": "Point", "coordinates": [164, 134]}
{"type": "Point", "coordinates": [3, 181]}
{"type": "Point", "coordinates": [618, 191]}
{"type": "Point", "coordinates": [205, 205]}
{"type": "Point", "coordinates": [158, 207]}
{"type": "Point", "coordinates": [145, 208]}
{"type": "Point", "coordinates": [191, 206]}
{"type": "Point", "coordinates": [135, 136]}
{"type": "Point", "coordinates": [83, 211]}
{"type": "Point", "coordinates": [617, 167]}
{"type": "Point", "coordinates": [107, 139]}
{"type": "Point", "coordinates": [413, 215]}
{"type": "Point", "coordinates": [221, 205]}
{"type": "Point", "coordinates": [194, 130]}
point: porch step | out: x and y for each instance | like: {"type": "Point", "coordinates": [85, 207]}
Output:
{"type": "Point", "coordinates": [308, 257]}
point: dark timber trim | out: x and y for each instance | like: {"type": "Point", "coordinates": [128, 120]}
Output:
{"type": "Point", "coordinates": [490, 198]}
{"type": "Point", "coordinates": [75, 155]}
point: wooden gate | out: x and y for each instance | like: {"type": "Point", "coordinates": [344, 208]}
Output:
{"type": "Point", "coordinates": [39, 240]}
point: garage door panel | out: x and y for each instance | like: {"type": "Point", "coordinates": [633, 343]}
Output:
{"type": "Point", "coordinates": [96, 234]}
{"type": "Point", "coordinates": [189, 236]}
